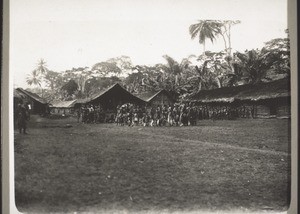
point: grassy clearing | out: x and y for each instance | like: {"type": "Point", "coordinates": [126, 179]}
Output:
{"type": "Point", "coordinates": [242, 164]}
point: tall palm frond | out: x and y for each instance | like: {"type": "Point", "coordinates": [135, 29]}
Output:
{"type": "Point", "coordinates": [254, 66]}
{"type": "Point", "coordinates": [41, 67]}
{"type": "Point", "coordinates": [205, 29]}
{"type": "Point", "coordinates": [33, 78]}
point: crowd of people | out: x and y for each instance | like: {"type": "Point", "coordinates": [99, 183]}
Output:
{"type": "Point", "coordinates": [183, 114]}
{"type": "Point", "coordinates": [224, 113]}
{"type": "Point", "coordinates": [93, 114]}
{"type": "Point", "coordinates": [160, 115]}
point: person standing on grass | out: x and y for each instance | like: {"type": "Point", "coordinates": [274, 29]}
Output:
{"type": "Point", "coordinates": [158, 116]}
{"type": "Point", "coordinates": [28, 108]}
{"type": "Point", "coordinates": [22, 118]}
{"type": "Point", "coordinates": [78, 114]}
{"type": "Point", "coordinates": [84, 114]}
{"type": "Point", "coordinates": [152, 116]}
{"type": "Point", "coordinates": [176, 115]}
{"type": "Point", "coordinates": [170, 116]}
{"type": "Point", "coordinates": [192, 116]}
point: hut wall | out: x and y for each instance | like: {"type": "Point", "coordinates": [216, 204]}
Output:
{"type": "Point", "coordinates": [283, 111]}
{"type": "Point", "coordinates": [282, 107]}
{"type": "Point", "coordinates": [38, 108]}
{"type": "Point", "coordinates": [262, 111]}
{"type": "Point", "coordinates": [247, 110]}
{"type": "Point", "coordinates": [67, 111]}
{"type": "Point", "coordinates": [257, 109]}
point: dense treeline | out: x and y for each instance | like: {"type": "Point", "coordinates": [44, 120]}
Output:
{"type": "Point", "coordinates": [186, 77]}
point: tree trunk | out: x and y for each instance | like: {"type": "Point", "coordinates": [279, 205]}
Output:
{"type": "Point", "coordinates": [83, 84]}
{"type": "Point", "coordinates": [218, 82]}
{"type": "Point", "coordinates": [225, 43]}
{"type": "Point", "coordinates": [199, 86]}
{"type": "Point", "coordinates": [229, 39]}
{"type": "Point", "coordinates": [176, 79]}
{"type": "Point", "coordinates": [42, 90]}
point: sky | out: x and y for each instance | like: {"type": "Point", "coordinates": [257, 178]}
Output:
{"type": "Point", "coordinates": [79, 33]}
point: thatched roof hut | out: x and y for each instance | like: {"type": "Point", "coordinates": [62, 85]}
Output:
{"type": "Point", "coordinates": [161, 97]}
{"type": "Point", "coordinates": [265, 99]}
{"type": "Point", "coordinates": [111, 97]}
{"type": "Point", "coordinates": [271, 90]}
{"type": "Point", "coordinates": [38, 104]}
{"type": "Point", "coordinates": [21, 93]}
{"type": "Point", "coordinates": [276, 89]}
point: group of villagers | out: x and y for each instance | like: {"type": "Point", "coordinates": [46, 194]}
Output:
{"type": "Point", "coordinates": [159, 115]}
{"type": "Point", "coordinates": [178, 114]}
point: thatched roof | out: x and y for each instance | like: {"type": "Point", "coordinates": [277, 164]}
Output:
{"type": "Point", "coordinates": [21, 93]}
{"type": "Point", "coordinates": [94, 96]}
{"type": "Point", "coordinates": [150, 95]}
{"type": "Point", "coordinates": [82, 101]}
{"type": "Point", "coordinates": [101, 93]}
{"type": "Point", "coordinates": [147, 96]}
{"type": "Point", "coordinates": [116, 87]}
{"type": "Point", "coordinates": [275, 89]}
{"type": "Point", "coordinates": [63, 104]}
{"type": "Point", "coordinates": [18, 94]}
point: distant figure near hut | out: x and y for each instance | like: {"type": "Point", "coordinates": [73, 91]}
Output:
{"type": "Point", "coordinates": [22, 118]}
{"type": "Point", "coordinates": [28, 108]}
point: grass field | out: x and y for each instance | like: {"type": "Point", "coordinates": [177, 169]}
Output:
{"type": "Point", "coordinates": [216, 165]}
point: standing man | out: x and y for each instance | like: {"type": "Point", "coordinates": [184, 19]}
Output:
{"type": "Point", "coordinates": [78, 113]}
{"type": "Point", "coordinates": [22, 117]}
{"type": "Point", "coordinates": [28, 108]}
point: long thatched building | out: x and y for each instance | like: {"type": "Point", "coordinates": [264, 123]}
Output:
{"type": "Point", "coordinates": [270, 99]}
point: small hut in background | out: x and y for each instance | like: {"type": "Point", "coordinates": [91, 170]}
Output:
{"type": "Point", "coordinates": [161, 97]}
{"type": "Point", "coordinates": [63, 107]}
{"type": "Point", "coordinates": [270, 99]}
{"type": "Point", "coordinates": [80, 102]}
{"type": "Point", "coordinates": [37, 104]}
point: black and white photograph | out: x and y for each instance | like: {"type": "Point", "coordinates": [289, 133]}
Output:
{"type": "Point", "coordinates": [171, 106]}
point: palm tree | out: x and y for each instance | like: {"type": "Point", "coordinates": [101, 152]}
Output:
{"type": "Point", "coordinates": [175, 73]}
{"type": "Point", "coordinates": [202, 79]}
{"type": "Point", "coordinates": [41, 67]}
{"type": "Point", "coordinates": [34, 79]}
{"type": "Point", "coordinates": [235, 76]}
{"type": "Point", "coordinates": [205, 29]}
{"type": "Point", "coordinates": [172, 67]}
{"type": "Point", "coordinates": [253, 65]}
